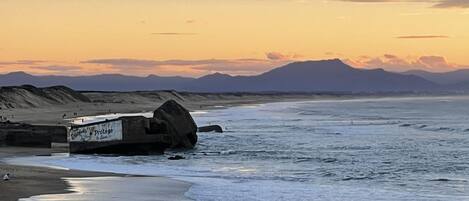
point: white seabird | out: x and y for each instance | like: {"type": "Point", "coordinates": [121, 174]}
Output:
{"type": "Point", "coordinates": [6, 177]}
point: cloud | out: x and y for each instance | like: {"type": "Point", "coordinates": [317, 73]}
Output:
{"type": "Point", "coordinates": [174, 33]}
{"type": "Point", "coordinates": [422, 36]}
{"type": "Point", "coordinates": [22, 62]}
{"type": "Point", "coordinates": [436, 3]}
{"type": "Point", "coordinates": [242, 66]}
{"type": "Point", "coordinates": [370, 1]}
{"type": "Point", "coordinates": [396, 63]}
{"type": "Point", "coordinates": [435, 62]}
{"type": "Point", "coordinates": [57, 68]}
{"type": "Point", "coordinates": [452, 4]}
{"type": "Point", "coordinates": [333, 54]}
{"type": "Point", "coordinates": [276, 56]}
{"type": "Point", "coordinates": [234, 66]}
{"type": "Point", "coordinates": [123, 62]}
{"type": "Point", "coordinates": [281, 56]}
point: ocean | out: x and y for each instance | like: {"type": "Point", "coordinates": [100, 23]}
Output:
{"type": "Point", "coordinates": [414, 148]}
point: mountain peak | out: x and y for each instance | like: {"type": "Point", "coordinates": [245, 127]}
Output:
{"type": "Point", "coordinates": [305, 68]}
{"type": "Point", "coordinates": [18, 73]}
{"type": "Point", "coordinates": [215, 75]}
{"type": "Point", "coordinates": [153, 76]}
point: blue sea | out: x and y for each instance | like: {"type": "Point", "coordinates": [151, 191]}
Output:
{"type": "Point", "coordinates": [414, 148]}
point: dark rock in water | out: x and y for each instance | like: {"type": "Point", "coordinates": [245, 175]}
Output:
{"type": "Point", "coordinates": [329, 160]}
{"type": "Point", "coordinates": [440, 179]}
{"type": "Point", "coordinates": [43, 154]}
{"type": "Point", "coordinates": [405, 125]}
{"type": "Point", "coordinates": [180, 125]}
{"type": "Point", "coordinates": [212, 128]}
{"type": "Point", "coordinates": [177, 157]}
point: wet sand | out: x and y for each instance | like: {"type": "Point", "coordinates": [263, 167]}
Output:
{"type": "Point", "coordinates": [120, 188]}
{"type": "Point", "coordinates": [61, 184]}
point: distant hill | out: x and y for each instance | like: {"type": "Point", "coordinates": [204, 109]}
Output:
{"type": "Point", "coordinates": [307, 76]}
{"type": "Point", "coordinates": [105, 82]}
{"type": "Point", "coordinates": [446, 78]}
{"type": "Point", "coordinates": [457, 87]}
{"type": "Point", "coordinates": [28, 96]}
{"type": "Point", "coordinates": [325, 75]}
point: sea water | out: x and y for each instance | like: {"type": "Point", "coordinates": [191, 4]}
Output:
{"type": "Point", "coordinates": [363, 149]}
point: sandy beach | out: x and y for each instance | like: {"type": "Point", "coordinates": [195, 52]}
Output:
{"type": "Point", "coordinates": [30, 181]}
{"type": "Point", "coordinates": [135, 102]}
{"type": "Point", "coordinates": [61, 184]}
{"type": "Point", "coordinates": [27, 181]}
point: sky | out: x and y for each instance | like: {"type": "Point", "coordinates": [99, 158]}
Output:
{"type": "Point", "coordinates": [238, 37]}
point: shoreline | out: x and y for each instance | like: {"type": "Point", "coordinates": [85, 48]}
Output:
{"type": "Point", "coordinates": [136, 102]}
{"type": "Point", "coordinates": [45, 181]}
{"type": "Point", "coordinates": [102, 104]}
{"type": "Point", "coordinates": [31, 182]}
{"type": "Point", "coordinates": [27, 181]}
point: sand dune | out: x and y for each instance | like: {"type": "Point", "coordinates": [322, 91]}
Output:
{"type": "Point", "coordinates": [28, 96]}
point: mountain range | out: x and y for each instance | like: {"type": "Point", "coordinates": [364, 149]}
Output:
{"type": "Point", "coordinates": [105, 82]}
{"type": "Point", "coordinates": [446, 78]}
{"type": "Point", "coordinates": [306, 76]}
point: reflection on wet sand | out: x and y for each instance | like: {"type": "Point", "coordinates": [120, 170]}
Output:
{"type": "Point", "coordinates": [119, 188]}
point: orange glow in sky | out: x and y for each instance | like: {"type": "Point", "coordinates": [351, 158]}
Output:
{"type": "Point", "coordinates": [193, 38]}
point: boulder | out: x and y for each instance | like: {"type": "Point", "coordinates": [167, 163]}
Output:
{"type": "Point", "coordinates": [211, 128]}
{"type": "Point", "coordinates": [180, 125]}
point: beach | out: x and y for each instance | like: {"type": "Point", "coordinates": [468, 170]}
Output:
{"type": "Point", "coordinates": [357, 149]}
{"type": "Point", "coordinates": [30, 181]}
{"type": "Point", "coordinates": [27, 181]}
{"type": "Point", "coordinates": [135, 102]}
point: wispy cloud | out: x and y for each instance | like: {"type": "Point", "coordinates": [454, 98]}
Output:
{"type": "Point", "coordinates": [452, 4]}
{"type": "Point", "coordinates": [422, 36]}
{"type": "Point", "coordinates": [57, 68]}
{"type": "Point", "coordinates": [396, 63]}
{"type": "Point", "coordinates": [276, 56]}
{"type": "Point", "coordinates": [234, 66]}
{"type": "Point", "coordinates": [333, 54]}
{"type": "Point", "coordinates": [281, 56]}
{"type": "Point", "coordinates": [174, 33]}
{"type": "Point", "coordinates": [124, 62]}
{"type": "Point", "coordinates": [435, 3]}
{"type": "Point", "coordinates": [21, 62]}
{"type": "Point", "coordinates": [190, 21]}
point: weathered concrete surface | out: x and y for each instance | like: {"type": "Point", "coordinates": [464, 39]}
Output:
{"type": "Point", "coordinates": [19, 134]}
{"type": "Point", "coordinates": [180, 125]}
{"type": "Point", "coordinates": [136, 136]}
{"type": "Point", "coordinates": [171, 127]}
{"type": "Point", "coordinates": [211, 128]}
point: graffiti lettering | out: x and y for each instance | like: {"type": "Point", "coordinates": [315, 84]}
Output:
{"type": "Point", "coordinates": [106, 131]}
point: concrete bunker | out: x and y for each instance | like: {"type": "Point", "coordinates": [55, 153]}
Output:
{"type": "Point", "coordinates": [170, 127]}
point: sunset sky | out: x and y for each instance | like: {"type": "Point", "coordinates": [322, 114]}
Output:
{"type": "Point", "coordinates": [239, 37]}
